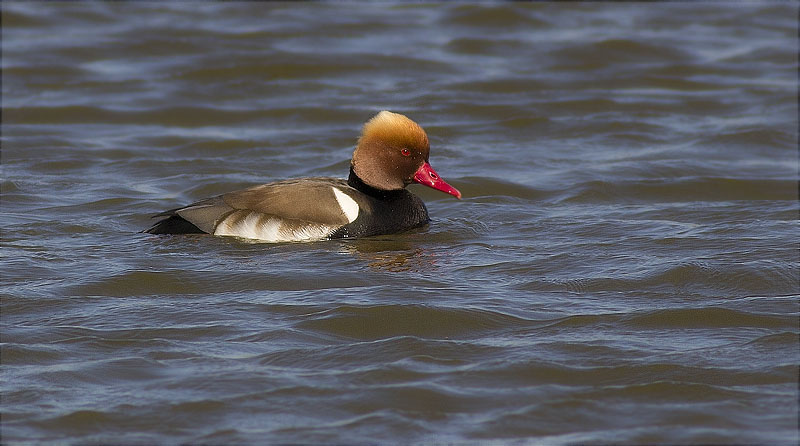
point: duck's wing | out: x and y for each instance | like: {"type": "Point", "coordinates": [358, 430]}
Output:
{"type": "Point", "coordinates": [292, 210]}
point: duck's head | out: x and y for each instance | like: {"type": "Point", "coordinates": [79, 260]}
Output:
{"type": "Point", "coordinates": [392, 153]}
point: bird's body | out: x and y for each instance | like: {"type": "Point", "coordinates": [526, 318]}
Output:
{"type": "Point", "coordinates": [391, 153]}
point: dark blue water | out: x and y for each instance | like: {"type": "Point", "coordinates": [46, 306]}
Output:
{"type": "Point", "coordinates": [623, 267]}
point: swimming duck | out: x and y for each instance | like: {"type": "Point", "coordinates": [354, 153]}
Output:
{"type": "Point", "coordinates": [391, 153]}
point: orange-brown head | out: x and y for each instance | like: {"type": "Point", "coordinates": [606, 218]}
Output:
{"type": "Point", "coordinates": [392, 152]}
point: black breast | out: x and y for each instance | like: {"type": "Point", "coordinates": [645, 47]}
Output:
{"type": "Point", "coordinates": [382, 212]}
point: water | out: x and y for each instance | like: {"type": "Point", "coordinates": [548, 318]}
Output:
{"type": "Point", "coordinates": [623, 267]}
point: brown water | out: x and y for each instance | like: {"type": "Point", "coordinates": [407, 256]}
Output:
{"type": "Point", "coordinates": [623, 267]}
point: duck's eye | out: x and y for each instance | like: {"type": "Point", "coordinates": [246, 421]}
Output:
{"type": "Point", "coordinates": [405, 152]}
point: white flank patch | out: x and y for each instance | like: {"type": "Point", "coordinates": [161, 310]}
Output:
{"type": "Point", "coordinates": [250, 227]}
{"type": "Point", "coordinates": [347, 204]}
{"type": "Point", "coordinates": [270, 229]}
{"type": "Point", "coordinates": [306, 233]}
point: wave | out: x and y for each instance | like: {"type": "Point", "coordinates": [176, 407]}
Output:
{"type": "Point", "coordinates": [387, 321]}
{"type": "Point", "coordinates": [690, 277]}
{"type": "Point", "coordinates": [693, 189]}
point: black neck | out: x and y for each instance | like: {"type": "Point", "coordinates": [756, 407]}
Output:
{"type": "Point", "coordinates": [357, 183]}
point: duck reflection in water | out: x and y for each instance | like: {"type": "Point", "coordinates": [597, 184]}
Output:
{"type": "Point", "coordinates": [391, 254]}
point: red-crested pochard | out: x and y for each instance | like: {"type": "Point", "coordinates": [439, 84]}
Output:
{"type": "Point", "coordinates": [391, 153]}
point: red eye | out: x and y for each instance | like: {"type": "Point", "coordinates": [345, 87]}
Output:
{"type": "Point", "coordinates": [405, 152]}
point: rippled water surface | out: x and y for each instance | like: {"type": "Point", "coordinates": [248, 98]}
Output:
{"type": "Point", "coordinates": [623, 267]}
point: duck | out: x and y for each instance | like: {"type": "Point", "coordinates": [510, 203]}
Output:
{"type": "Point", "coordinates": [391, 153]}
